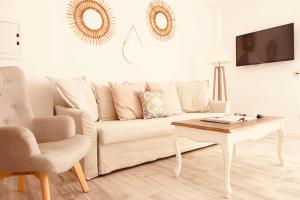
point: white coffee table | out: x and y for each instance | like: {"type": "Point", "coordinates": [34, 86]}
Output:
{"type": "Point", "coordinates": [228, 135]}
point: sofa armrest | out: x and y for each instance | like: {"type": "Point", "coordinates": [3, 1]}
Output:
{"type": "Point", "coordinates": [219, 106]}
{"type": "Point", "coordinates": [17, 146]}
{"type": "Point", "coordinates": [53, 128]}
{"type": "Point", "coordinates": [84, 125]}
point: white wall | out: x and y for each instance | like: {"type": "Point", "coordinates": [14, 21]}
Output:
{"type": "Point", "coordinates": [267, 88]}
{"type": "Point", "coordinates": [50, 48]}
{"type": "Point", "coordinates": [35, 18]}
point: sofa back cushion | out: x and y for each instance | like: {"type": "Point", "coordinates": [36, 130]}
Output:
{"type": "Point", "coordinates": [126, 99]}
{"type": "Point", "coordinates": [194, 95]}
{"type": "Point", "coordinates": [78, 94]}
{"type": "Point", "coordinates": [171, 97]}
{"type": "Point", "coordinates": [106, 108]}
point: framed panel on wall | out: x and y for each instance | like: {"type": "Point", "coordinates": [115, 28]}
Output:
{"type": "Point", "coordinates": [9, 39]}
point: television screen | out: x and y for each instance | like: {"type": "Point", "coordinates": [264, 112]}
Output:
{"type": "Point", "coordinates": [270, 45]}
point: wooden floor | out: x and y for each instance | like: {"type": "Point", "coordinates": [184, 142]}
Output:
{"type": "Point", "coordinates": [255, 174]}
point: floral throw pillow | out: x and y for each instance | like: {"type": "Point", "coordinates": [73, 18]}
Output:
{"type": "Point", "coordinates": [154, 105]}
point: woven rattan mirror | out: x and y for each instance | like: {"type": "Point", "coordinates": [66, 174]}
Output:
{"type": "Point", "coordinates": [161, 20]}
{"type": "Point", "coordinates": [91, 20]}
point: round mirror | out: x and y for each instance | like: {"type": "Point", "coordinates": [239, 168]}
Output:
{"type": "Point", "coordinates": [161, 20]}
{"type": "Point", "coordinates": [92, 19]}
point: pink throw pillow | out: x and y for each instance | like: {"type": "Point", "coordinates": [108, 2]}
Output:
{"type": "Point", "coordinates": [171, 96]}
{"type": "Point", "coordinates": [126, 99]}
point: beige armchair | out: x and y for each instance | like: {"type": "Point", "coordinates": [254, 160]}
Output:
{"type": "Point", "coordinates": [35, 146]}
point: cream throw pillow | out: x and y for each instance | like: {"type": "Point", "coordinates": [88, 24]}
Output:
{"type": "Point", "coordinates": [78, 94]}
{"type": "Point", "coordinates": [126, 99]}
{"type": "Point", "coordinates": [194, 96]}
{"type": "Point", "coordinates": [105, 102]}
{"type": "Point", "coordinates": [171, 97]}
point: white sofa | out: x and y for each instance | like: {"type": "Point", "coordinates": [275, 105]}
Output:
{"type": "Point", "coordinates": [120, 144]}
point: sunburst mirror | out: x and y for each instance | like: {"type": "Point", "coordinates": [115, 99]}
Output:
{"type": "Point", "coordinates": [161, 20]}
{"type": "Point", "coordinates": [91, 20]}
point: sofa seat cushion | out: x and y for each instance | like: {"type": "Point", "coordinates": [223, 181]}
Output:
{"type": "Point", "coordinates": [124, 131]}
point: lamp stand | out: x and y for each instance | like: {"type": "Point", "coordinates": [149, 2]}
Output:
{"type": "Point", "coordinates": [219, 83]}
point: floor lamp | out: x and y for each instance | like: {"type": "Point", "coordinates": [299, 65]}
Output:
{"type": "Point", "coordinates": [220, 57]}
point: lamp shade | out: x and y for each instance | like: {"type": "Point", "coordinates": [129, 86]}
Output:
{"type": "Point", "coordinates": [219, 56]}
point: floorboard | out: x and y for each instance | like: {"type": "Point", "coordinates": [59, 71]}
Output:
{"type": "Point", "coordinates": [255, 175]}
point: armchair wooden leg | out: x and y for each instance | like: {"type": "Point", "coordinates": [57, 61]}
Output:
{"type": "Point", "coordinates": [21, 183]}
{"type": "Point", "coordinates": [81, 178]}
{"type": "Point", "coordinates": [44, 186]}
{"type": "Point", "coordinates": [41, 176]}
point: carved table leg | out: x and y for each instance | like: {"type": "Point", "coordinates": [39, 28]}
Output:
{"type": "Point", "coordinates": [235, 148]}
{"type": "Point", "coordinates": [281, 135]}
{"type": "Point", "coordinates": [178, 158]}
{"type": "Point", "coordinates": [227, 152]}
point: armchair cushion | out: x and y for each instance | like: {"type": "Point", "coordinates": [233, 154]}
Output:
{"type": "Point", "coordinates": [60, 156]}
{"type": "Point", "coordinates": [53, 128]}
{"type": "Point", "coordinates": [20, 151]}
{"type": "Point", "coordinates": [17, 146]}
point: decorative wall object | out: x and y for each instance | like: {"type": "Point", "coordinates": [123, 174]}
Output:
{"type": "Point", "coordinates": [161, 20]}
{"type": "Point", "coordinates": [91, 20]}
{"type": "Point", "coordinates": [133, 48]}
{"type": "Point", "coordinates": [9, 39]}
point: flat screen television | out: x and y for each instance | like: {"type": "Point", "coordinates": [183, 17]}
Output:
{"type": "Point", "coordinates": [269, 45]}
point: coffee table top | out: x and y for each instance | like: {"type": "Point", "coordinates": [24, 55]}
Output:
{"type": "Point", "coordinates": [225, 128]}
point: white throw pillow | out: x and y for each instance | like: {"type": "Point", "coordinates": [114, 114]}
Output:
{"type": "Point", "coordinates": [105, 102]}
{"type": "Point", "coordinates": [78, 94]}
{"type": "Point", "coordinates": [193, 96]}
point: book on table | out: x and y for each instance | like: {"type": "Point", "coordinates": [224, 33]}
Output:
{"type": "Point", "coordinates": [228, 119]}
